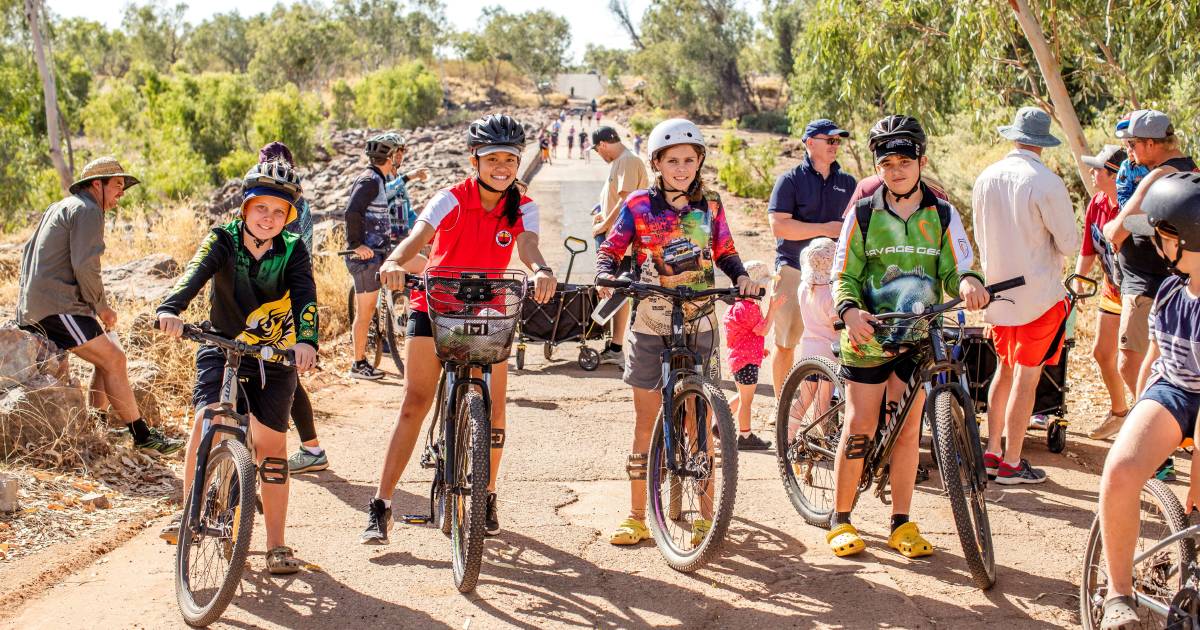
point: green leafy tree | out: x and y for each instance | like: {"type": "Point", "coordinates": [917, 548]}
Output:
{"type": "Point", "coordinates": [402, 96]}
{"type": "Point", "coordinates": [610, 62]}
{"type": "Point", "coordinates": [290, 117]}
{"type": "Point", "coordinates": [535, 42]}
{"type": "Point", "coordinates": [300, 44]}
{"type": "Point", "coordinates": [221, 43]}
{"type": "Point", "coordinates": [156, 32]}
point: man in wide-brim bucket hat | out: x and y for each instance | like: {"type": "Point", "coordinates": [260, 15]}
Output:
{"type": "Point", "coordinates": [103, 168]}
{"type": "Point", "coordinates": [1031, 126]}
{"type": "Point", "coordinates": [61, 294]}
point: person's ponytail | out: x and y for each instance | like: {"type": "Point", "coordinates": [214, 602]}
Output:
{"type": "Point", "coordinates": [512, 205]}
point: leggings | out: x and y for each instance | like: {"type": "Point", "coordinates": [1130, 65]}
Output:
{"type": "Point", "coordinates": [302, 415]}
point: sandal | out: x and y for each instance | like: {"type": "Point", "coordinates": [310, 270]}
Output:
{"type": "Point", "coordinates": [700, 529]}
{"type": "Point", "coordinates": [1120, 613]}
{"type": "Point", "coordinates": [281, 561]}
{"type": "Point", "coordinates": [908, 541]}
{"type": "Point", "coordinates": [844, 540]}
{"type": "Point", "coordinates": [630, 532]}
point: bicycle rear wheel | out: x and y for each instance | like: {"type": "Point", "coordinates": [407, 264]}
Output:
{"type": "Point", "coordinates": [960, 462]}
{"type": "Point", "coordinates": [467, 494]}
{"type": "Point", "coordinates": [374, 347]}
{"type": "Point", "coordinates": [808, 425]}
{"type": "Point", "coordinates": [389, 329]}
{"type": "Point", "coordinates": [1160, 576]}
{"type": "Point", "coordinates": [679, 503]}
{"type": "Point", "coordinates": [211, 553]}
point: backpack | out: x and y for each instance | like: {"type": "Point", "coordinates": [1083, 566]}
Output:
{"type": "Point", "coordinates": [865, 208]}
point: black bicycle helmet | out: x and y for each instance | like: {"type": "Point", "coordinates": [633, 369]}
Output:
{"type": "Point", "coordinates": [495, 129]}
{"type": "Point", "coordinates": [1172, 204]}
{"type": "Point", "coordinates": [897, 126]}
{"type": "Point", "coordinates": [382, 146]}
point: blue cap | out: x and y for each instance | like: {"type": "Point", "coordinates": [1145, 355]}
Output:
{"type": "Point", "coordinates": [825, 126]}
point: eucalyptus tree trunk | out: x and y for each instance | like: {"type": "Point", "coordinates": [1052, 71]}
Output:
{"type": "Point", "coordinates": [33, 12]}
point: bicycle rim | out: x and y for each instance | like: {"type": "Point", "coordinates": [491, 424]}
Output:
{"type": "Point", "coordinates": [467, 497]}
{"type": "Point", "coordinates": [706, 490]}
{"type": "Point", "coordinates": [958, 463]}
{"type": "Point", "coordinates": [1160, 576]}
{"type": "Point", "coordinates": [808, 426]}
{"type": "Point", "coordinates": [394, 341]}
{"type": "Point", "coordinates": [209, 562]}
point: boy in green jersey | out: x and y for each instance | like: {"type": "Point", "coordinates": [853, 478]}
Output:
{"type": "Point", "coordinates": [899, 250]}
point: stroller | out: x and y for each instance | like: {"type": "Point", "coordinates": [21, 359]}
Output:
{"type": "Point", "coordinates": [567, 317]}
{"type": "Point", "coordinates": [979, 356]}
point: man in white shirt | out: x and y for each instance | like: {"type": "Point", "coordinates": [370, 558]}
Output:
{"type": "Point", "coordinates": [1025, 226]}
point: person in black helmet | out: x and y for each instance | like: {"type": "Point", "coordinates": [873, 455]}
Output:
{"type": "Point", "coordinates": [1166, 412]}
{"type": "Point", "coordinates": [475, 224]}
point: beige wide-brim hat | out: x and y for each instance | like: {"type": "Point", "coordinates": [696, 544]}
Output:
{"type": "Point", "coordinates": [106, 166]}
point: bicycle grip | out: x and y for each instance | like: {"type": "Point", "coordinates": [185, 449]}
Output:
{"type": "Point", "coordinates": [1005, 285]}
{"type": "Point", "coordinates": [615, 283]}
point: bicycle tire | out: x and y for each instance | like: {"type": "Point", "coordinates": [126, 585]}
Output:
{"type": "Point", "coordinates": [659, 479]}
{"type": "Point", "coordinates": [394, 342]}
{"type": "Point", "coordinates": [241, 466]}
{"type": "Point", "coordinates": [474, 429]}
{"type": "Point", "coordinates": [374, 352]}
{"type": "Point", "coordinates": [959, 460]}
{"type": "Point", "coordinates": [1092, 593]}
{"type": "Point", "coordinates": [813, 499]}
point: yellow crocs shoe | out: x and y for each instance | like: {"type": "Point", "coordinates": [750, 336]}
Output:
{"type": "Point", "coordinates": [700, 529]}
{"type": "Point", "coordinates": [844, 540]}
{"type": "Point", "coordinates": [630, 532]}
{"type": "Point", "coordinates": [908, 541]}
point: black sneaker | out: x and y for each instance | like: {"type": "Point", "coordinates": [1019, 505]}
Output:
{"type": "Point", "coordinates": [157, 441]}
{"type": "Point", "coordinates": [491, 522]}
{"type": "Point", "coordinates": [378, 517]}
{"type": "Point", "coordinates": [752, 443]}
{"type": "Point", "coordinates": [365, 371]}
{"type": "Point", "coordinates": [1023, 473]}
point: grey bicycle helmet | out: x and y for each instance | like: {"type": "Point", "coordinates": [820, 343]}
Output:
{"type": "Point", "coordinates": [897, 126]}
{"type": "Point", "coordinates": [500, 131]}
{"type": "Point", "coordinates": [275, 179]}
{"type": "Point", "coordinates": [381, 146]}
{"type": "Point", "coordinates": [395, 139]}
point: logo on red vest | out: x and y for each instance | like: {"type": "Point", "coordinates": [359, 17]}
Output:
{"type": "Point", "coordinates": [504, 238]}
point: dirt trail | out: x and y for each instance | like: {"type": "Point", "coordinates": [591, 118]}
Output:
{"type": "Point", "coordinates": [563, 488]}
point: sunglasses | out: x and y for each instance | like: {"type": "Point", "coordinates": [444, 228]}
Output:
{"type": "Point", "coordinates": [830, 141]}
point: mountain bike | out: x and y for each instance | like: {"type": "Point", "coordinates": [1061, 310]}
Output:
{"type": "Point", "coordinates": [388, 327]}
{"type": "Point", "coordinates": [687, 460]}
{"type": "Point", "coordinates": [1166, 578]}
{"type": "Point", "coordinates": [473, 314]}
{"type": "Point", "coordinates": [810, 418]}
{"type": "Point", "coordinates": [218, 511]}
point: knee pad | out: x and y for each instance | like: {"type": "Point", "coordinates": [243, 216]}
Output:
{"type": "Point", "coordinates": [497, 438]}
{"type": "Point", "coordinates": [635, 466]}
{"type": "Point", "coordinates": [857, 446]}
{"type": "Point", "coordinates": [273, 470]}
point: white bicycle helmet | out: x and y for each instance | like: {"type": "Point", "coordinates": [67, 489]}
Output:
{"type": "Point", "coordinates": [671, 132]}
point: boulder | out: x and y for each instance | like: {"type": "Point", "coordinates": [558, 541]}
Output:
{"type": "Point", "coordinates": [143, 378]}
{"type": "Point", "coordinates": [24, 356]}
{"type": "Point", "coordinates": [42, 409]}
{"type": "Point", "coordinates": [146, 279]}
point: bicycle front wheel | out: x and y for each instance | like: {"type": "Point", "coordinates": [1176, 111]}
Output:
{"type": "Point", "coordinates": [690, 508]}
{"type": "Point", "coordinates": [467, 493]}
{"type": "Point", "coordinates": [211, 551]}
{"type": "Point", "coordinates": [959, 460]}
{"type": "Point", "coordinates": [1159, 576]}
{"type": "Point", "coordinates": [808, 426]}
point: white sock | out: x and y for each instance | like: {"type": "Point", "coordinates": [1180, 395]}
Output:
{"type": "Point", "coordinates": [315, 450]}
{"type": "Point", "coordinates": [387, 503]}
{"type": "Point", "coordinates": [743, 434]}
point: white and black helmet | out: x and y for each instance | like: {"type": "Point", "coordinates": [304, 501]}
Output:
{"type": "Point", "coordinates": [674, 131]}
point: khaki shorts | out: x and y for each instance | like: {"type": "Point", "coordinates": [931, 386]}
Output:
{"type": "Point", "coordinates": [1135, 323]}
{"type": "Point", "coordinates": [789, 327]}
{"type": "Point", "coordinates": [643, 356]}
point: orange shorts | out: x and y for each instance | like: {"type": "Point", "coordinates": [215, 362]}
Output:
{"type": "Point", "coordinates": [1030, 344]}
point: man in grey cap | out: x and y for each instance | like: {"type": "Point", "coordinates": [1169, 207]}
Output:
{"type": "Point", "coordinates": [61, 295]}
{"type": "Point", "coordinates": [1025, 226]}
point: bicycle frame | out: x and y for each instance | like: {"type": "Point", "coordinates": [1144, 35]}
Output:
{"type": "Point", "coordinates": [227, 407]}
{"type": "Point", "coordinates": [456, 380]}
{"type": "Point", "coordinates": [671, 375]}
{"type": "Point", "coordinates": [1153, 605]}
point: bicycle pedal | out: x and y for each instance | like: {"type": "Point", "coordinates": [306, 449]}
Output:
{"type": "Point", "coordinates": [416, 519]}
{"type": "Point", "coordinates": [273, 470]}
{"type": "Point", "coordinates": [857, 446]}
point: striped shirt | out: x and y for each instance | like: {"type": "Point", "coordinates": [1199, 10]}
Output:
{"type": "Point", "coordinates": [1175, 327]}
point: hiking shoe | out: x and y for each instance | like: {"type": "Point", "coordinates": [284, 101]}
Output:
{"type": "Point", "coordinates": [1166, 472]}
{"type": "Point", "coordinates": [378, 517]}
{"type": "Point", "coordinates": [491, 522]}
{"type": "Point", "coordinates": [1022, 473]}
{"type": "Point", "coordinates": [612, 357]}
{"type": "Point", "coordinates": [991, 463]}
{"type": "Point", "coordinates": [303, 461]}
{"type": "Point", "coordinates": [752, 443]}
{"type": "Point", "coordinates": [160, 443]}
{"type": "Point", "coordinates": [1109, 427]}
{"type": "Point", "coordinates": [365, 371]}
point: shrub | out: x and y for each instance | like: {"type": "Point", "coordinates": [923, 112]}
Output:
{"type": "Point", "coordinates": [769, 121]}
{"type": "Point", "coordinates": [400, 96]}
{"type": "Point", "coordinates": [643, 123]}
{"type": "Point", "coordinates": [746, 171]}
{"type": "Point", "coordinates": [235, 165]}
{"type": "Point", "coordinates": [342, 110]}
{"type": "Point", "coordinates": [289, 117]}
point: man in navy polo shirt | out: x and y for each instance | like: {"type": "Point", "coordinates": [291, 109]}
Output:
{"type": "Point", "coordinates": [807, 203]}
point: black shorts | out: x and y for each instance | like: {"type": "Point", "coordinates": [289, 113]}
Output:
{"type": "Point", "coordinates": [626, 264]}
{"type": "Point", "coordinates": [902, 366]}
{"type": "Point", "coordinates": [419, 325]}
{"type": "Point", "coordinates": [67, 331]}
{"type": "Point", "coordinates": [746, 375]}
{"type": "Point", "coordinates": [270, 403]}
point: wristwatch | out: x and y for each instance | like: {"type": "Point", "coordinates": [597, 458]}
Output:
{"type": "Point", "coordinates": [538, 268]}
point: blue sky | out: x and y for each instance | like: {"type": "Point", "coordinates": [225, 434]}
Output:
{"type": "Point", "coordinates": [590, 20]}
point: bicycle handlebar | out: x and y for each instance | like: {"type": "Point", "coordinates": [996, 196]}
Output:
{"type": "Point", "coordinates": [684, 293]}
{"type": "Point", "coordinates": [992, 289]}
{"type": "Point", "coordinates": [201, 334]}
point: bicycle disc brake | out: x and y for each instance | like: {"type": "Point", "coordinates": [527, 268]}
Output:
{"type": "Point", "coordinates": [1185, 607]}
